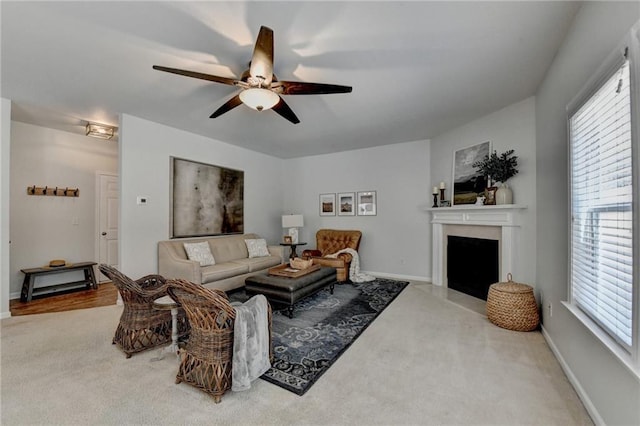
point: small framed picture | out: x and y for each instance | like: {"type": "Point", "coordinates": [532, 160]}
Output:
{"type": "Point", "coordinates": [346, 204]}
{"type": "Point", "coordinates": [490, 196]}
{"type": "Point", "coordinates": [288, 239]}
{"type": "Point", "coordinates": [327, 204]}
{"type": "Point", "coordinates": [367, 203]}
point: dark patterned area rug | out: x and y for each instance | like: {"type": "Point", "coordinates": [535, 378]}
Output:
{"type": "Point", "coordinates": [322, 328]}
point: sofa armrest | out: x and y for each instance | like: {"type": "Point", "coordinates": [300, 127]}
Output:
{"type": "Point", "coordinates": [277, 251]}
{"type": "Point", "coordinates": [311, 253]}
{"type": "Point", "coordinates": [170, 266]}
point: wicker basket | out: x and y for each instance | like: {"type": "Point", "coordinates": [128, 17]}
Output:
{"type": "Point", "coordinates": [512, 306]}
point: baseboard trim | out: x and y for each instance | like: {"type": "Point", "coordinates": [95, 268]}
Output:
{"type": "Point", "coordinates": [398, 276]}
{"type": "Point", "coordinates": [4, 315]}
{"type": "Point", "coordinates": [582, 394]}
{"type": "Point", "coordinates": [15, 295]}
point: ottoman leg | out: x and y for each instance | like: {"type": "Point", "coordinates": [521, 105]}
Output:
{"type": "Point", "coordinates": [331, 288]}
{"type": "Point", "coordinates": [290, 311]}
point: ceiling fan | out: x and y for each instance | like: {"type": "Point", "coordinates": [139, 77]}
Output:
{"type": "Point", "coordinates": [260, 88]}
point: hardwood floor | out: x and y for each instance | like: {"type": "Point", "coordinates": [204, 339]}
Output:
{"type": "Point", "coordinates": [105, 295]}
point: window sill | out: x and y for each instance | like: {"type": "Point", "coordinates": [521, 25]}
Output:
{"type": "Point", "coordinates": [623, 356]}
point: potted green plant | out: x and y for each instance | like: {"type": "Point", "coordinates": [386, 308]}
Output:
{"type": "Point", "coordinates": [499, 168]}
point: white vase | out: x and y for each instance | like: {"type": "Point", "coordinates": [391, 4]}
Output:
{"type": "Point", "coordinates": [504, 194]}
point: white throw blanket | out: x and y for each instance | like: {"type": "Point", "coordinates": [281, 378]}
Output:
{"type": "Point", "coordinates": [250, 343]}
{"type": "Point", "coordinates": [354, 270]}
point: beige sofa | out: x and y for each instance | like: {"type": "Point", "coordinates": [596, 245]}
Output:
{"type": "Point", "coordinates": [232, 262]}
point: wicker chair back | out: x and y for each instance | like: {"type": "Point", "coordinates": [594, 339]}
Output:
{"type": "Point", "coordinates": [207, 357]}
{"type": "Point", "coordinates": [142, 326]}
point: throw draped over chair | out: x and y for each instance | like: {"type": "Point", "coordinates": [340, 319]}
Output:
{"type": "Point", "coordinates": [330, 241]}
{"type": "Point", "coordinates": [206, 360]}
{"type": "Point", "coordinates": [142, 326]}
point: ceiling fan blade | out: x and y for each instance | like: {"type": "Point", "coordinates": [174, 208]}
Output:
{"type": "Point", "coordinates": [228, 106]}
{"type": "Point", "coordinates": [283, 109]}
{"type": "Point", "coordinates": [262, 59]}
{"type": "Point", "coordinates": [199, 75]}
{"type": "Point", "coordinates": [301, 88]}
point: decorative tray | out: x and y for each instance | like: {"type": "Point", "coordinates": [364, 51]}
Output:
{"type": "Point", "coordinates": [285, 270]}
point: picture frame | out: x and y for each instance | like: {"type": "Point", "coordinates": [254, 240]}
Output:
{"type": "Point", "coordinates": [204, 199]}
{"type": "Point", "coordinates": [346, 204]}
{"type": "Point", "coordinates": [288, 239]}
{"type": "Point", "coordinates": [468, 183]}
{"type": "Point", "coordinates": [328, 204]}
{"type": "Point", "coordinates": [490, 196]}
{"type": "Point", "coordinates": [367, 203]}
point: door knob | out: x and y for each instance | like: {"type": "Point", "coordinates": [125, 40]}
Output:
{"type": "Point", "coordinates": [104, 233]}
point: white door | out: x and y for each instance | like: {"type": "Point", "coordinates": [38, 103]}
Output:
{"type": "Point", "coordinates": [108, 221]}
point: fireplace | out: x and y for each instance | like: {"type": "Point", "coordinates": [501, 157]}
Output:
{"type": "Point", "coordinates": [472, 265]}
{"type": "Point", "coordinates": [498, 223]}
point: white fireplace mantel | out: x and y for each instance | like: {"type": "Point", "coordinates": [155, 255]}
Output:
{"type": "Point", "coordinates": [506, 217]}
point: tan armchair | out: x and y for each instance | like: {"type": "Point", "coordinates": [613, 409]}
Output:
{"type": "Point", "coordinates": [330, 241]}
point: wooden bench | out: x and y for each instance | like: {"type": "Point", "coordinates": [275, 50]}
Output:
{"type": "Point", "coordinates": [30, 277]}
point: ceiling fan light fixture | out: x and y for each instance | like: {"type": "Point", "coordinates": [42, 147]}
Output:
{"type": "Point", "coordinates": [100, 131]}
{"type": "Point", "coordinates": [259, 99]}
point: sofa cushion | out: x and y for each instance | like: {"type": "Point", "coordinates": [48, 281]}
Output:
{"type": "Point", "coordinates": [200, 252]}
{"type": "Point", "coordinates": [257, 247]}
{"type": "Point", "coordinates": [222, 271]}
{"type": "Point", "coordinates": [230, 247]}
{"type": "Point", "coordinates": [259, 263]}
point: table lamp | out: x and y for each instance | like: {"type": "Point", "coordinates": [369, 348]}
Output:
{"type": "Point", "coordinates": [293, 222]}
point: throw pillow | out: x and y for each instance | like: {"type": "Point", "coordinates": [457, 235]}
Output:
{"type": "Point", "coordinates": [257, 248]}
{"type": "Point", "coordinates": [200, 252]}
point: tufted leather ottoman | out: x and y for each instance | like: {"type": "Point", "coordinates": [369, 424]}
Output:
{"type": "Point", "coordinates": [287, 291]}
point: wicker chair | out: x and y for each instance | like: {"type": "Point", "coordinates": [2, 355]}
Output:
{"type": "Point", "coordinates": [142, 326]}
{"type": "Point", "coordinates": [207, 357]}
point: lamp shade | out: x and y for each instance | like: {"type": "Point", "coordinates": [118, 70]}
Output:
{"type": "Point", "coordinates": [259, 99]}
{"type": "Point", "coordinates": [292, 221]}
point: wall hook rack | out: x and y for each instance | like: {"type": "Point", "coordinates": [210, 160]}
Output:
{"type": "Point", "coordinates": [57, 191]}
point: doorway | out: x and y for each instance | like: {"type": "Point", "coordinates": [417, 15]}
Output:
{"type": "Point", "coordinates": [107, 207]}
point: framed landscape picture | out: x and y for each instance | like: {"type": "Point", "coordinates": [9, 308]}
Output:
{"type": "Point", "coordinates": [346, 204]}
{"type": "Point", "coordinates": [327, 204]}
{"type": "Point", "coordinates": [467, 182]}
{"type": "Point", "coordinates": [367, 203]}
{"type": "Point", "coordinates": [205, 199]}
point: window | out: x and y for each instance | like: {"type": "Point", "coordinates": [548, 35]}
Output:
{"type": "Point", "coordinates": [603, 224]}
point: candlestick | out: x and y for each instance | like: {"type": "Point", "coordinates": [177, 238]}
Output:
{"type": "Point", "coordinates": [435, 199]}
{"type": "Point", "coordinates": [441, 194]}
{"type": "Point", "coordinates": [442, 185]}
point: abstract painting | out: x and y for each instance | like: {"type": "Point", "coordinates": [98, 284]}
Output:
{"type": "Point", "coordinates": [205, 199]}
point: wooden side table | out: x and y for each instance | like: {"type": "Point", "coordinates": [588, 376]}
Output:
{"type": "Point", "coordinates": [30, 275]}
{"type": "Point", "coordinates": [293, 248]}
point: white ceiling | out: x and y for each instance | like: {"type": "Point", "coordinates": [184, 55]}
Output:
{"type": "Point", "coordinates": [417, 69]}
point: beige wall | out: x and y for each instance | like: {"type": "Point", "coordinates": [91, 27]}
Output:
{"type": "Point", "coordinates": [512, 127]}
{"type": "Point", "coordinates": [144, 157]}
{"type": "Point", "coordinates": [609, 390]}
{"type": "Point", "coordinates": [42, 228]}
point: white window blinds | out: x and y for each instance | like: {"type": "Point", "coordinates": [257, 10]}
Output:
{"type": "Point", "coordinates": [601, 206]}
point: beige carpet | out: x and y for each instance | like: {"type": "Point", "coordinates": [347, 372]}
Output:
{"type": "Point", "coordinates": [424, 360]}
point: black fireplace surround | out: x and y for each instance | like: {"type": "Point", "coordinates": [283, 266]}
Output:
{"type": "Point", "coordinates": [472, 265]}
